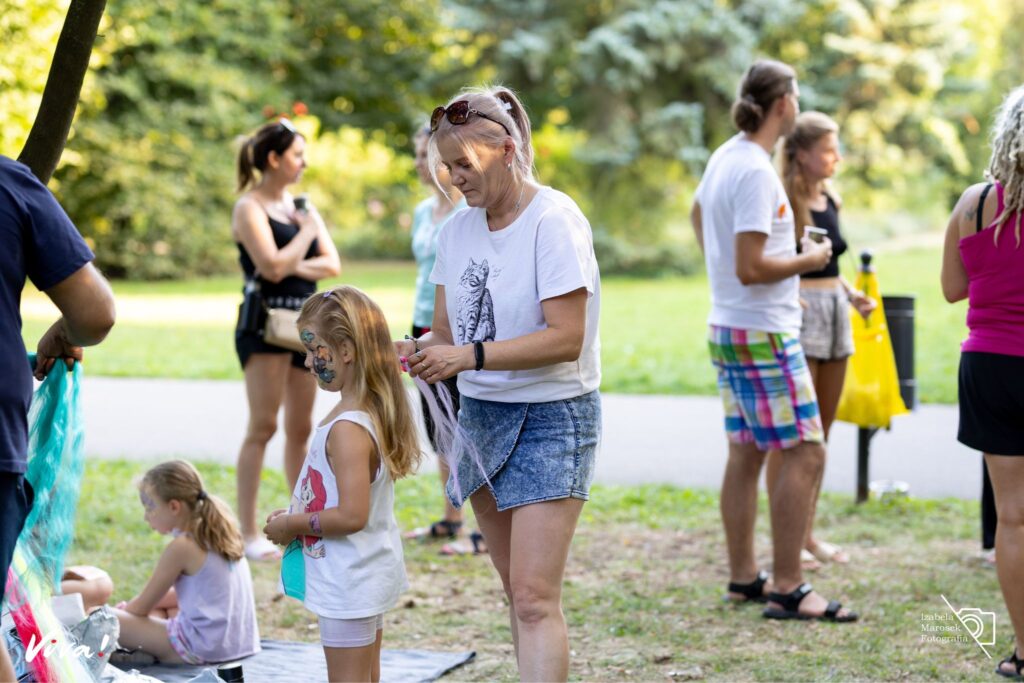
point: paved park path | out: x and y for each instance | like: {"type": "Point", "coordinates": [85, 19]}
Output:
{"type": "Point", "coordinates": [647, 439]}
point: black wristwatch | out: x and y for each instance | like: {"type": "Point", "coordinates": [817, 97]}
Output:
{"type": "Point", "coordinates": [478, 353]}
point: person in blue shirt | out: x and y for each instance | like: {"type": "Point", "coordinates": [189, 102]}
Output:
{"type": "Point", "coordinates": [37, 242]}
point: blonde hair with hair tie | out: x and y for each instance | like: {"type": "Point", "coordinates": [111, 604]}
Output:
{"type": "Point", "coordinates": [500, 104]}
{"type": "Point", "coordinates": [211, 523]}
{"type": "Point", "coordinates": [1007, 164]}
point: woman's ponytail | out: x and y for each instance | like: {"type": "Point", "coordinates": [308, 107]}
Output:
{"type": "Point", "coordinates": [246, 175]}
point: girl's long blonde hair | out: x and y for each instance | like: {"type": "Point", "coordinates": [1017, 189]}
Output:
{"type": "Point", "coordinates": [211, 523]}
{"type": "Point", "coordinates": [1007, 164]}
{"type": "Point", "coordinates": [810, 127]}
{"type": "Point", "coordinates": [346, 313]}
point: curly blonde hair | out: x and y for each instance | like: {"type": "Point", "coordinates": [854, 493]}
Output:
{"type": "Point", "coordinates": [1007, 164]}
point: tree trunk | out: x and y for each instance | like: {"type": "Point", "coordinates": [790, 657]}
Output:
{"type": "Point", "coordinates": [50, 130]}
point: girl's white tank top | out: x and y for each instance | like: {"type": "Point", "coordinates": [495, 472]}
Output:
{"type": "Point", "coordinates": [361, 574]}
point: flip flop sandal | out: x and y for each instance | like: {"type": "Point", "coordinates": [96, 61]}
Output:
{"type": "Point", "coordinates": [1017, 664]}
{"type": "Point", "coordinates": [751, 592]}
{"type": "Point", "coordinates": [475, 538]}
{"type": "Point", "coordinates": [262, 550]}
{"type": "Point", "coordinates": [808, 562]}
{"type": "Point", "coordinates": [442, 528]}
{"type": "Point", "coordinates": [791, 607]}
{"type": "Point", "coordinates": [827, 552]}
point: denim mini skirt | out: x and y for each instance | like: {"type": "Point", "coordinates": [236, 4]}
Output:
{"type": "Point", "coordinates": [528, 452]}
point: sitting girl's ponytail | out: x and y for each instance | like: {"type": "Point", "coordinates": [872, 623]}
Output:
{"type": "Point", "coordinates": [213, 526]}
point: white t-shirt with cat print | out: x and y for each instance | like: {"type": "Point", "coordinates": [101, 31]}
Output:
{"type": "Point", "coordinates": [494, 284]}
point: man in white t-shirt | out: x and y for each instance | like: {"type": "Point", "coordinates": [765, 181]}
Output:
{"type": "Point", "coordinates": [744, 224]}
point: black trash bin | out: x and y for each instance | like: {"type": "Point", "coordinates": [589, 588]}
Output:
{"type": "Point", "coordinates": [899, 315]}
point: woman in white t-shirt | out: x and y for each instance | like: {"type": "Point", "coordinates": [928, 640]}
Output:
{"type": "Point", "coordinates": [516, 318]}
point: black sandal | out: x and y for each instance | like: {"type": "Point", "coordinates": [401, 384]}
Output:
{"type": "Point", "coordinates": [1016, 663]}
{"type": "Point", "coordinates": [442, 528]}
{"type": "Point", "coordinates": [475, 538]}
{"type": "Point", "coordinates": [791, 607]}
{"type": "Point", "coordinates": [751, 592]}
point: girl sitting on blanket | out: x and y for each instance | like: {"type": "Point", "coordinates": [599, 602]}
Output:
{"type": "Point", "coordinates": [343, 503]}
{"type": "Point", "coordinates": [198, 606]}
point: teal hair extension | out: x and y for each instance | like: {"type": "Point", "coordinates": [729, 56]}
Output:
{"type": "Point", "coordinates": [56, 459]}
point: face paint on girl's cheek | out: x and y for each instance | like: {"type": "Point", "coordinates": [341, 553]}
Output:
{"type": "Point", "coordinates": [307, 337]}
{"type": "Point", "coordinates": [323, 364]}
{"type": "Point", "coordinates": [147, 502]}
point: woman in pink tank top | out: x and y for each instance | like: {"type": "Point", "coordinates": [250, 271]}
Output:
{"type": "Point", "coordinates": [983, 262]}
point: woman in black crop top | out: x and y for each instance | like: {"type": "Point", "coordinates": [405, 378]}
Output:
{"type": "Point", "coordinates": [809, 161]}
{"type": "Point", "coordinates": [286, 251]}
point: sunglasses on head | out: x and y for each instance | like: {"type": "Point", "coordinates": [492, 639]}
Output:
{"type": "Point", "coordinates": [457, 114]}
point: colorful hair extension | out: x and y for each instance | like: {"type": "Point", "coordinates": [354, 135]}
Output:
{"type": "Point", "coordinates": [453, 442]}
{"type": "Point", "coordinates": [55, 463]}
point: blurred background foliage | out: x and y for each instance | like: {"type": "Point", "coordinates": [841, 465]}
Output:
{"type": "Point", "coordinates": [627, 98]}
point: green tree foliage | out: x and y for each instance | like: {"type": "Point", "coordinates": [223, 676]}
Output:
{"type": "Point", "coordinates": [370, 64]}
{"type": "Point", "coordinates": [627, 98]}
{"type": "Point", "coordinates": [149, 176]}
{"type": "Point", "coordinates": [28, 32]}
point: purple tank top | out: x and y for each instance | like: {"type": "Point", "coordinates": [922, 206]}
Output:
{"type": "Point", "coordinates": [217, 621]}
{"type": "Point", "coordinates": [995, 288]}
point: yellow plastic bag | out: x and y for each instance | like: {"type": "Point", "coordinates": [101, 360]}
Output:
{"type": "Point", "coordinates": [871, 394]}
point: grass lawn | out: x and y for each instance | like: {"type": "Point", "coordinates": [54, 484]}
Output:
{"type": "Point", "coordinates": [652, 331]}
{"type": "Point", "coordinates": [643, 586]}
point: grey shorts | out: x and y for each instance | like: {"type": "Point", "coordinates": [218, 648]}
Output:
{"type": "Point", "coordinates": [826, 333]}
{"type": "Point", "coordinates": [529, 452]}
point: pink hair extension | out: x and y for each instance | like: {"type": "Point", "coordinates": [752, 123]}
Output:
{"type": "Point", "coordinates": [453, 442]}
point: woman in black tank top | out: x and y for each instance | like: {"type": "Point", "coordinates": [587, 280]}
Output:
{"type": "Point", "coordinates": [286, 251]}
{"type": "Point", "coordinates": [810, 158]}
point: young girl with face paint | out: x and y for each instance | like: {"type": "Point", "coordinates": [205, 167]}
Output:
{"type": "Point", "coordinates": [198, 606]}
{"type": "Point", "coordinates": [343, 502]}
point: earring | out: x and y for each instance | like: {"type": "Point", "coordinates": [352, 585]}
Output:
{"type": "Point", "coordinates": [508, 166]}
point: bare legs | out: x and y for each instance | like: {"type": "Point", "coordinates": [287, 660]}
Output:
{"type": "Point", "coordinates": [828, 378]}
{"type": "Point", "coordinates": [354, 663]}
{"type": "Point", "coordinates": [148, 634]}
{"type": "Point", "coordinates": [797, 478]}
{"type": "Point", "coordinates": [529, 547]}
{"type": "Point", "coordinates": [1007, 474]}
{"type": "Point", "coordinates": [271, 380]}
{"type": "Point", "coordinates": [299, 397]}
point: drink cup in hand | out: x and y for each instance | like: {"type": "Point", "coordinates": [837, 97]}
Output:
{"type": "Point", "coordinates": [815, 234]}
{"type": "Point", "coordinates": [302, 203]}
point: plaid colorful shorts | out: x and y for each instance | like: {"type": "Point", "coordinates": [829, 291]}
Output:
{"type": "Point", "coordinates": [766, 388]}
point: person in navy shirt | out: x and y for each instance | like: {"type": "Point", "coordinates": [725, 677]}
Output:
{"type": "Point", "coordinates": [38, 242]}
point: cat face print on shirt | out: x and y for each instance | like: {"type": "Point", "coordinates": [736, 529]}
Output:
{"type": "Point", "coordinates": [474, 316]}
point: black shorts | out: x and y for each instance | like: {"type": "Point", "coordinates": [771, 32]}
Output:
{"type": "Point", "coordinates": [992, 403]}
{"type": "Point", "coordinates": [15, 503]}
{"type": "Point", "coordinates": [248, 343]}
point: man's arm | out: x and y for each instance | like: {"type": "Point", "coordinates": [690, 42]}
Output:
{"type": "Point", "coordinates": [754, 268]}
{"type": "Point", "coordinates": [86, 303]}
{"type": "Point", "coordinates": [698, 224]}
